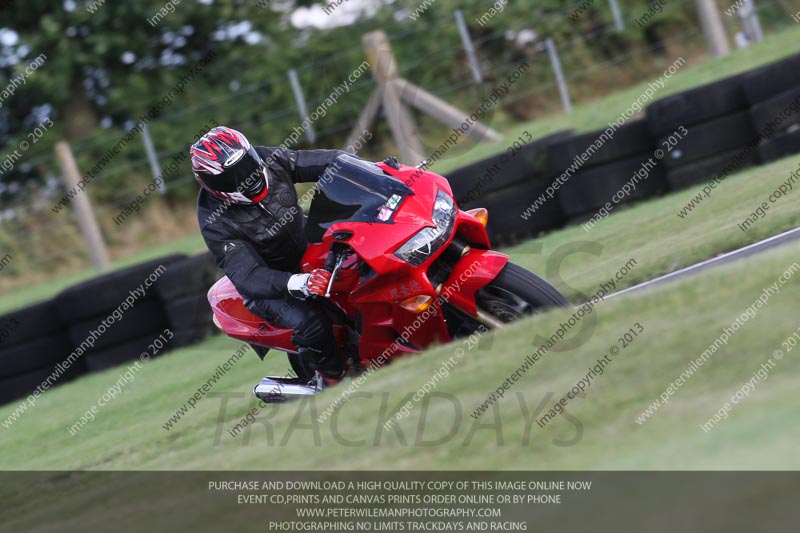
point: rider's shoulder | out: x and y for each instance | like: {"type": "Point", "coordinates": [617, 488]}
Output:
{"type": "Point", "coordinates": [278, 156]}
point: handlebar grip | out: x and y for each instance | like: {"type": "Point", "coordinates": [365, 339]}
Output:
{"type": "Point", "coordinates": [330, 263]}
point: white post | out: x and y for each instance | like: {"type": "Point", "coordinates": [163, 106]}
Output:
{"type": "Point", "coordinates": [618, 22]}
{"type": "Point", "coordinates": [713, 28]}
{"type": "Point", "coordinates": [311, 135]}
{"type": "Point", "coordinates": [155, 166]}
{"type": "Point", "coordinates": [468, 47]}
{"type": "Point", "coordinates": [555, 62]}
{"type": "Point", "coordinates": [750, 22]}
{"type": "Point", "coordinates": [83, 208]}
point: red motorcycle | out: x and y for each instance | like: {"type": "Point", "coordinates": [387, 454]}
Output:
{"type": "Point", "coordinates": [409, 270]}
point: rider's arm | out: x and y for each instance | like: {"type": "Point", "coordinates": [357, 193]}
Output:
{"type": "Point", "coordinates": [245, 268]}
{"type": "Point", "coordinates": [305, 166]}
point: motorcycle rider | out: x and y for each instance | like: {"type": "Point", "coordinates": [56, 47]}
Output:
{"type": "Point", "coordinates": [251, 222]}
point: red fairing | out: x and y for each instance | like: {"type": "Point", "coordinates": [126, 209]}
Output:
{"type": "Point", "coordinates": [232, 317]}
{"type": "Point", "coordinates": [475, 270]}
{"type": "Point", "coordinates": [388, 329]}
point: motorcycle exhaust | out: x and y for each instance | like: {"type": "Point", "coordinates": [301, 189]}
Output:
{"type": "Point", "coordinates": [278, 390]}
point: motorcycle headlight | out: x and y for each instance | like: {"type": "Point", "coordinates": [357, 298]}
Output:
{"type": "Point", "coordinates": [428, 241]}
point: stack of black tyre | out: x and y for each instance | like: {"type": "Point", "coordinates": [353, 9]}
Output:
{"type": "Point", "coordinates": [506, 185]}
{"type": "Point", "coordinates": [606, 170]}
{"type": "Point", "coordinates": [711, 131]}
{"type": "Point", "coordinates": [33, 342]}
{"type": "Point", "coordinates": [773, 92]}
{"type": "Point", "coordinates": [183, 291]}
{"type": "Point", "coordinates": [84, 307]}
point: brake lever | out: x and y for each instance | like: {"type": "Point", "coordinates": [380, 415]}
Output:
{"type": "Point", "coordinates": [337, 266]}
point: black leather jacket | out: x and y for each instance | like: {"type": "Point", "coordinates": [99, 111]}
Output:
{"type": "Point", "coordinates": [259, 247]}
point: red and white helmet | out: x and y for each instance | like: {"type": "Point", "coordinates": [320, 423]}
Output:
{"type": "Point", "coordinates": [227, 166]}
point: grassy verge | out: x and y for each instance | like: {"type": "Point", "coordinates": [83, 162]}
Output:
{"type": "Point", "coordinates": [678, 323]}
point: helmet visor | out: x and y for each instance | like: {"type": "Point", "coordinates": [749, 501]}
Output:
{"type": "Point", "coordinates": [250, 175]}
{"type": "Point", "coordinates": [244, 173]}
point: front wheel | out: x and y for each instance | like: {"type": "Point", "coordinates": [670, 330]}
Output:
{"type": "Point", "coordinates": [516, 293]}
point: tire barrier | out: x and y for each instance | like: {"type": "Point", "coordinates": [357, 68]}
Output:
{"type": "Point", "coordinates": [705, 169]}
{"type": "Point", "coordinates": [605, 164]}
{"type": "Point", "coordinates": [126, 352]}
{"type": "Point", "coordinates": [506, 185]}
{"type": "Point", "coordinates": [22, 385]}
{"type": "Point", "coordinates": [718, 147]}
{"type": "Point", "coordinates": [515, 166]}
{"type": "Point", "coordinates": [104, 315]}
{"type": "Point", "coordinates": [701, 104]}
{"type": "Point", "coordinates": [29, 323]}
{"type": "Point", "coordinates": [505, 225]}
{"type": "Point", "coordinates": [591, 189]}
{"type": "Point", "coordinates": [187, 276]}
{"type": "Point", "coordinates": [782, 144]}
{"type": "Point", "coordinates": [33, 341]}
{"type": "Point", "coordinates": [769, 81]}
{"type": "Point", "coordinates": [783, 108]}
{"type": "Point", "coordinates": [629, 140]}
{"type": "Point", "coordinates": [36, 354]}
{"type": "Point", "coordinates": [141, 320]}
{"type": "Point", "coordinates": [100, 295]}
{"type": "Point", "coordinates": [90, 320]}
{"type": "Point", "coordinates": [712, 138]}
{"type": "Point", "coordinates": [773, 92]}
{"type": "Point", "coordinates": [182, 291]}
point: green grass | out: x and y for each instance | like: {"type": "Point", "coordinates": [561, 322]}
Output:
{"type": "Point", "coordinates": [680, 321]}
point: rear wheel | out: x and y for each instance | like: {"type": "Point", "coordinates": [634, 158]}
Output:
{"type": "Point", "coordinates": [516, 293]}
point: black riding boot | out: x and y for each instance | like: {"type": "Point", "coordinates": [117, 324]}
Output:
{"type": "Point", "coordinates": [328, 364]}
